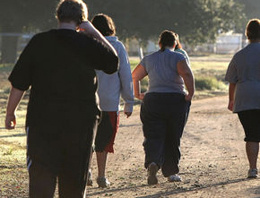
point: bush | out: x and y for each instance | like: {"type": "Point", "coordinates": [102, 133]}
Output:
{"type": "Point", "coordinates": [209, 83]}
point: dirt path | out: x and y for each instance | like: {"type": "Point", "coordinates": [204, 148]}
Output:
{"type": "Point", "coordinates": [213, 160]}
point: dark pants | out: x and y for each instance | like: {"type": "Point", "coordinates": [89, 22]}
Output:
{"type": "Point", "coordinates": [59, 153]}
{"type": "Point", "coordinates": [163, 116]}
{"type": "Point", "coordinates": [250, 120]}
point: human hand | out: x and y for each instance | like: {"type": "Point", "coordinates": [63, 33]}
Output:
{"type": "Point", "coordinates": [10, 121]}
{"type": "Point", "coordinates": [231, 105]}
{"type": "Point", "coordinates": [140, 96]}
{"type": "Point", "coordinates": [128, 114]}
{"type": "Point", "coordinates": [188, 97]}
{"type": "Point", "coordinates": [88, 28]}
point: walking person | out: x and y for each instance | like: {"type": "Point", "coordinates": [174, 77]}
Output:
{"type": "Point", "coordinates": [165, 106]}
{"type": "Point", "coordinates": [243, 75]}
{"type": "Point", "coordinates": [110, 87]}
{"type": "Point", "coordinates": [58, 66]}
{"type": "Point", "coordinates": [178, 48]}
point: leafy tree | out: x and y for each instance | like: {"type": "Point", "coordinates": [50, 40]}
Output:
{"type": "Point", "coordinates": [22, 16]}
{"type": "Point", "coordinates": [196, 21]}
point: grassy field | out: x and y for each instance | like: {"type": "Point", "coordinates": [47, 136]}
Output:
{"type": "Point", "coordinates": [14, 176]}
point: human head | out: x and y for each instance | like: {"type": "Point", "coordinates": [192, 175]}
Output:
{"type": "Point", "coordinates": [71, 11]}
{"type": "Point", "coordinates": [104, 24]}
{"type": "Point", "coordinates": [253, 30]}
{"type": "Point", "coordinates": [178, 44]}
{"type": "Point", "coordinates": [167, 39]}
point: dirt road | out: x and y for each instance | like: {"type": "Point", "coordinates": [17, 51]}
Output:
{"type": "Point", "coordinates": [213, 162]}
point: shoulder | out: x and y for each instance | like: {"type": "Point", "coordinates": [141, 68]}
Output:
{"type": "Point", "coordinates": [153, 55]}
{"type": "Point", "coordinates": [117, 44]}
{"type": "Point", "coordinates": [43, 34]}
{"type": "Point", "coordinates": [176, 55]}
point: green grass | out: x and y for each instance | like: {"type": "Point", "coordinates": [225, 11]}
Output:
{"type": "Point", "coordinates": [134, 62]}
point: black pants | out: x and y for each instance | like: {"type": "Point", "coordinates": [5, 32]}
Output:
{"type": "Point", "coordinates": [164, 116]}
{"type": "Point", "coordinates": [250, 120]}
{"type": "Point", "coordinates": [59, 153]}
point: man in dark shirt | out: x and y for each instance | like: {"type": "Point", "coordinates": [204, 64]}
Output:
{"type": "Point", "coordinates": [59, 68]}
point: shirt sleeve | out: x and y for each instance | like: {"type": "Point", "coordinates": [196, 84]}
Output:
{"type": "Point", "coordinates": [21, 75]}
{"type": "Point", "coordinates": [143, 63]}
{"type": "Point", "coordinates": [231, 74]}
{"type": "Point", "coordinates": [125, 79]}
{"type": "Point", "coordinates": [103, 58]}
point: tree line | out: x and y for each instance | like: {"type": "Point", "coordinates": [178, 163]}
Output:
{"type": "Point", "coordinates": [197, 21]}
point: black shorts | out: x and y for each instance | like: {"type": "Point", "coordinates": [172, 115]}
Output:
{"type": "Point", "coordinates": [250, 120]}
{"type": "Point", "coordinates": [63, 147]}
{"type": "Point", "coordinates": [106, 131]}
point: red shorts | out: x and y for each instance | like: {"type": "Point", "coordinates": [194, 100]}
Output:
{"type": "Point", "coordinates": [106, 131]}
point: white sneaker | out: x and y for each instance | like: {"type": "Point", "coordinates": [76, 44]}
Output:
{"type": "Point", "coordinates": [103, 182]}
{"type": "Point", "coordinates": [89, 180]}
{"type": "Point", "coordinates": [252, 173]}
{"type": "Point", "coordinates": [174, 178]}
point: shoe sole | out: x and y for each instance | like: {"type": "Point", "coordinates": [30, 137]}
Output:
{"type": "Point", "coordinates": [152, 171]}
{"type": "Point", "coordinates": [252, 177]}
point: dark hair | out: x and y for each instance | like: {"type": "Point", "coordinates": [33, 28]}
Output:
{"type": "Point", "coordinates": [104, 24]}
{"type": "Point", "coordinates": [253, 29]}
{"type": "Point", "coordinates": [178, 43]}
{"type": "Point", "coordinates": [167, 39]}
{"type": "Point", "coordinates": [72, 10]}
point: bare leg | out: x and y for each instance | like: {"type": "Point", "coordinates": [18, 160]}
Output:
{"type": "Point", "coordinates": [252, 149]}
{"type": "Point", "coordinates": [101, 162]}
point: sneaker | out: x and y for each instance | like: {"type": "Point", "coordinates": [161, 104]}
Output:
{"type": "Point", "coordinates": [152, 171]}
{"type": "Point", "coordinates": [103, 182]}
{"type": "Point", "coordinates": [174, 178]}
{"type": "Point", "coordinates": [252, 173]}
{"type": "Point", "coordinates": [89, 181]}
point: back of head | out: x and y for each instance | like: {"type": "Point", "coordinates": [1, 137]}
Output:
{"type": "Point", "coordinates": [178, 43]}
{"type": "Point", "coordinates": [71, 11]}
{"type": "Point", "coordinates": [253, 30]}
{"type": "Point", "coordinates": [104, 24]}
{"type": "Point", "coordinates": [167, 39]}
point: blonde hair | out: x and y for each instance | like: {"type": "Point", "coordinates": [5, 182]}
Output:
{"type": "Point", "coordinates": [72, 10]}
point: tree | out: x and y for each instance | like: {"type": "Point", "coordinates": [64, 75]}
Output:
{"type": "Point", "coordinates": [22, 16]}
{"type": "Point", "coordinates": [197, 21]}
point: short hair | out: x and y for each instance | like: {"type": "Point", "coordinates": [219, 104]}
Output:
{"type": "Point", "coordinates": [167, 39]}
{"type": "Point", "coordinates": [253, 29]}
{"type": "Point", "coordinates": [104, 24]}
{"type": "Point", "coordinates": [72, 10]}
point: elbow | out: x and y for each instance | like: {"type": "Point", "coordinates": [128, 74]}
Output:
{"type": "Point", "coordinates": [113, 66]}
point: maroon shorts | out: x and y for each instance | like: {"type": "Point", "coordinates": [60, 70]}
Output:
{"type": "Point", "coordinates": [106, 131]}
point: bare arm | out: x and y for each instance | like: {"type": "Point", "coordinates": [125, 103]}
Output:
{"type": "Point", "coordinates": [90, 30]}
{"type": "Point", "coordinates": [232, 87]}
{"type": "Point", "coordinates": [138, 74]}
{"type": "Point", "coordinates": [187, 75]}
{"type": "Point", "coordinates": [13, 101]}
